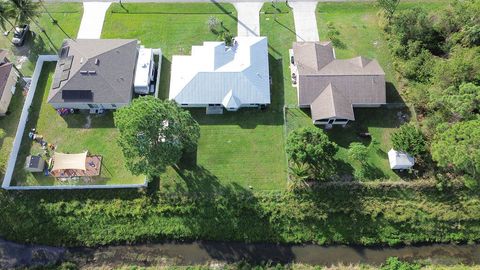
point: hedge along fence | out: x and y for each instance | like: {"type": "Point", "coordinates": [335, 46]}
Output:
{"type": "Point", "coordinates": [21, 130]}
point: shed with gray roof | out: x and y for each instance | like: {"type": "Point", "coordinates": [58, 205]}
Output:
{"type": "Point", "coordinates": [333, 87]}
{"type": "Point", "coordinates": [94, 74]}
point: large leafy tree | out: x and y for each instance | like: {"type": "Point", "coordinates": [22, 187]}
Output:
{"type": "Point", "coordinates": [458, 146]}
{"type": "Point", "coordinates": [154, 134]}
{"type": "Point", "coordinates": [310, 146]}
{"type": "Point", "coordinates": [409, 139]}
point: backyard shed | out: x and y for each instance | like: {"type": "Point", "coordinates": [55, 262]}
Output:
{"type": "Point", "coordinates": [34, 164]}
{"type": "Point", "coordinates": [400, 160]}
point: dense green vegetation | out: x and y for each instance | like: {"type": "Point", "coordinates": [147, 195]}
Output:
{"type": "Point", "coordinates": [439, 55]}
{"type": "Point", "coordinates": [370, 214]}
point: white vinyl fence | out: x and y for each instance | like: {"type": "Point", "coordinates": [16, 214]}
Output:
{"type": "Point", "coordinates": [21, 130]}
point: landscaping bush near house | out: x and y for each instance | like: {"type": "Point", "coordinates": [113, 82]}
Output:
{"type": "Point", "coordinates": [347, 214]}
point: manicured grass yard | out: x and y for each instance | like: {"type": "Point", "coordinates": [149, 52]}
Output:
{"type": "Point", "coordinates": [9, 124]}
{"type": "Point", "coordinates": [68, 16]}
{"type": "Point", "coordinates": [71, 135]}
{"type": "Point", "coordinates": [242, 148]}
{"type": "Point", "coordinates": [379, 122]}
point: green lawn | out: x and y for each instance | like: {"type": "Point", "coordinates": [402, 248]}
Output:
{"type": "Point", "coordinates": [68, 16]}
{"type": "Point", "coordinates": [279, 27]}
{"type": "Point", "coordinates": [71, 136]}
{"type": "Point", "coordinates": [9, 124]}
{"type": "Point", "coordinates": [243, 148]}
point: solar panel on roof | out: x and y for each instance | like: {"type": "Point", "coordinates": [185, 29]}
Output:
{"type": "Point", "coordinates": [57, 78]}
{"type": "Point", "coordinates": [65, 75]}
{"type": "Point", "coordinates": [68, 62]}
{"type": "Point", "coordinates": [77, 95]}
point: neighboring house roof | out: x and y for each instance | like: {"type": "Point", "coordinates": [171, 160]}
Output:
{"type": "Point", "coordinates": [6, 81]}
{"type": "Point", "coordinates": [355, 81]}
{"type": "Point", "coordinates": [94, 71]}
{"type": "Point", "coordinates": [217, 74]}
{"type": "Point", "coordinates": [400, 160]}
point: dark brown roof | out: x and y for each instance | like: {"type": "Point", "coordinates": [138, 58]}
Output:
{"type": "Point", "coordinates": [357, 80]}
{"type": "Point", "coordinates": [102, 67]}
{"type": "Point", "coordinates": [5, 70]}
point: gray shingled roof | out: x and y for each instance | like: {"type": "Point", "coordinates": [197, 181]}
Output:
{"type": "Point", "coordinates": [331, 103]}
{"type": "Point", "coordinates": [94, 71]}
{"type": "Point", "coordinates": [357, 80]}
{"type": "Point", "coordinates": [5, 70]}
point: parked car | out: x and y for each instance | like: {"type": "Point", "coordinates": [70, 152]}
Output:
{"type": "Point", "coordinates": [20, 34]}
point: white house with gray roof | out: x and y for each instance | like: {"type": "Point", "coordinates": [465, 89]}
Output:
{"type": "Point", "coordinates": [215, 75]}
{"type": "Point", "coordinates": [332, 87]}
{"type": "Point", "coordinates": [94, 74]}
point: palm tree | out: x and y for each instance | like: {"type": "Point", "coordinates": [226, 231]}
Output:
{"type": "Point", "coordinates": [26, 11]}
{"type": "Point", "coordinates": [299, 173]}
{"type": "Point", "coordinates": [6, 14]}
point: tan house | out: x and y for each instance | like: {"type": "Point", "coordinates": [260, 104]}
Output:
{"type": "Point", "coordinates": [331, 87]}
{"type": "Point", "coordinates": [8, 81]}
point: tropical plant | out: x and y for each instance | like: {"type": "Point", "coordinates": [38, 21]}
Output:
{"type": "Point", "coordinates": [2, 133]}
{"type": "Point", "coordinates": [310, 146]}
{"type": "Point", "coordinates": [227, 38]}
{"type": "Point", "coordinates": [358, 152]}
{"type": "Point", "coordinates": [458, 146]}
{"type": "Point", "coordinates": [154, 134]}
{"type": "Point", "coordinates": [6, 14]}
{"type": "Point", "coordinates": [299, 174]}
{"type": "Point", "coordinates": [410, 139]}
{"type": "Point", "coordinates": [27, 11]}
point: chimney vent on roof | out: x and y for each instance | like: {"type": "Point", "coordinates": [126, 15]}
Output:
{"type": "Point", "coordinates": [97, 61]}
{"type": "Point", "coordinates": [92, 72]}
{"type": "Point", "coordinates": [83, 72]}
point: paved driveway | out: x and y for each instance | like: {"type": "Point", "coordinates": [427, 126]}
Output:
{"type": "Point", "coordinates": [305, 20]}
{"type": "Point", "coordinates": [248, 14]}
{"type": "Point", "coordinates": [92, 20]}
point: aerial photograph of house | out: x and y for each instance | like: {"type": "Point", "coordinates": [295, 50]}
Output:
{"type": "Point", "coordinates": [332, 87]}
{"type": "Point", "coordinates": [240, 134]}
{"type": "Point", "coordinates": [218, 76]}
{"type": "Point", "coordinates": [94, 74]}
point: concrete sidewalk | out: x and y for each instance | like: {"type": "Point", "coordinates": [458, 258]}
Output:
{"type": "Point", "coordinates": [305, 20]}
{"type": "Point", "coordinates": [92, 20]}
{"type": "Point", "coordinates": [248, 14]}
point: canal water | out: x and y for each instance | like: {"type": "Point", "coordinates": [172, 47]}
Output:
{"type": "Point", "coordinates": [203, 252]}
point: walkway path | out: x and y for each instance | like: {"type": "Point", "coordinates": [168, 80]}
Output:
{"type": "Point", "coordinates": [305, 20]}
{"type": "Point", "coordinates": [92, 20]}
{"type": "Point", "coordinates": [248, 14]}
